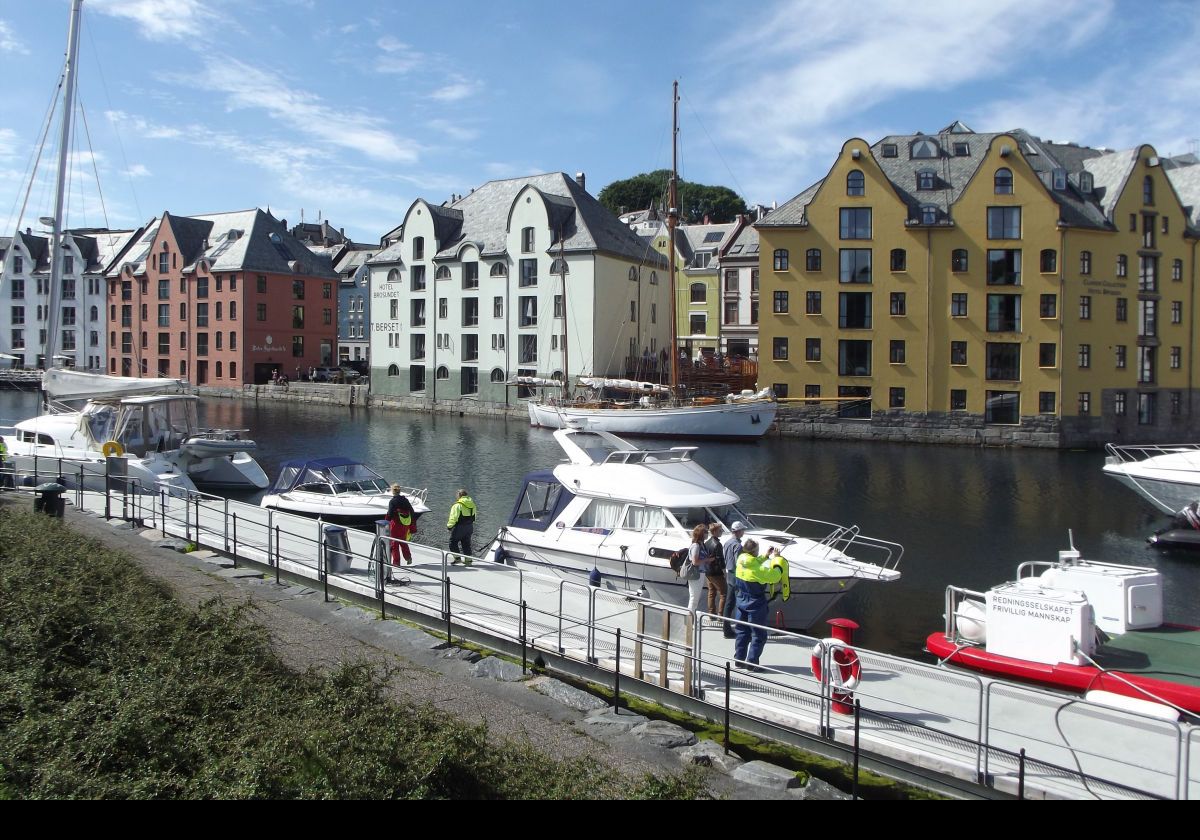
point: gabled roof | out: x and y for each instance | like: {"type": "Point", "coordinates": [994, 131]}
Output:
{"type": "Point", "coordinates": [1186, 181]}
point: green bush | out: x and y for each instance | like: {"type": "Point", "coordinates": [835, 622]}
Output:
{"type": "Point", "coordinates": [111, 689]}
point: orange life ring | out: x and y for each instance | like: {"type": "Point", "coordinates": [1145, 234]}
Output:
{"type": "Point", "coordinates": [112, 447]}
{"type": "Point", "coordinates": [848, 674]}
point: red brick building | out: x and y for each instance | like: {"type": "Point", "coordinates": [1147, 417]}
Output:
{"type": "Point", "coordinates": [220, 300]}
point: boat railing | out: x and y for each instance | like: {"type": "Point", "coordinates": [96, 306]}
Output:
{"type": "Point", "coordinates": [1133, 453]}
{"type": "Point", "coordinates": [220, 434]}
{"type": "Point", "coordinates": [839, 539]}
{"type": "Point", "coordinates": [955, 595]}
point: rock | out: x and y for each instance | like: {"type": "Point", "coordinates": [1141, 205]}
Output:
{"type": "Point", "coordinates": [663, 734]}
{"type": "Point", "coordinates": [174, 544]}
{"type": "Point", "coordinates": [569, 695]}
{"type": "Point", "coordinates": [608, 721]}
{"type": "Point", "coordinates": [764, 774]}
{"type": "Point", "coordinates": [221, 562]}
{"type": "Point", "coordinates": [462, 653]}
{"type": "Point", "coordinates": [710, 754]}
{"type": "Point", "coordinates": [498, 669]}
{"type": "Point", "coordinates": [125, 526]}
{"type": "Point", "coordinates": [822, 791]}
{"type": "Point", "coordinates": [239, 573]}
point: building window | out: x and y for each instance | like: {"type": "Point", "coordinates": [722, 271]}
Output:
{"type": "Point", "coordinates": [443, 372]}
{"type": "Point", "coordinates": [498, 307]}
{"type": "Point", "coordinates": [1003, 181]}
{"type": "Point", "coordinates": [780, 307]}
{"type": "Point", "coordinates": [699, 293]}
{"type": "Point", "coordinates": [1176, 312]}
{"type": "Point", "coordinates": [896, 351]}
{"type": "Point", "coordinates": [698, 323]}
{"type": "Point", "coordinates": [855, 403]}
{"type": "Point", "coordinates": [958, 305]}
{"type": "Point", "coordinates": [1003, 361]}
{"type": "Point", "coordinates": [1004, 313]}
{"type": "Point", "coordinates": [1085, 307]}
{"type": "Point", "coordinates": [1166, 228]}
{"type": "Point", "coordinates": [1148, 274]}
{"type": "Point", "coordinates": [811, 392]}
{"type": "Point", "coordinates": [899, 259]}
{"type": "Point", "coordinates": [854, 358]}
{"type": "Point", "coordinates": [1122, 309]}
{"type": "Point", "coordinates": [855, 223]}
{"type": "Point", "coordinates": [1002, 408]}
{"type": "Point", "coordinates": [929, 214]}
{"type": "Point", "coordinates": [962, 150]}
{"type": "Point", "coordinates": [855, 265]}
{"type": "Point", "coordinates": [1047, 355]}
{"type": "Point", "coordinates": [1147, 404]}
{"type": "Point", "coordinates": [1004, 267]}
{"type": "Point", "coordinates": [417, 313]}
{"type": "Point", "coordinates": [298, 346]}
{"type": "Point", "coordinates": [890, 150]}
{"type": "Point", "coordinates": [779, 349]}
{"type": "Point", "coordinates": [528, 276]}
{"type": "Point", "coordinates": [1122, 265]}
{"type": "Point", "coordinates": [443, 273]}
{"type": "Point", "coordinates": [812, 303]}
{"type": "Point", "coordinates": [812, 259]}
{"type": "Point", "coordinates": [781, 259]}
{"type": "Point", "coordinates": [470, 347]}
{"type": "Point", "coordinates": [1085, 262]}
{"type": "Point", "coordinates": [895, 398]}
{"type": "Point", "coordinates": [297, 290]}
{"type": "Point", "coordinates": [1177, 270]}
{"type": "Point", "coordinates": [731, 307]}
{"type": "Point", "coordinates": [1120, 353]}
{"type": "Point", "coordinates": [1176, 403]}
{"type": "Point", "coordinates": [854, 310]}
{"type": "Point", "coordinates": [958, 399]}
{"type": "Point", "coordinates": [1176, 357]}
{"type": "Point", "coordinates": [1049, 306]}
{"type": "Point", "coordinates": [419, 248]}
{"type": "Point", "coordinates": [443, 308]}
{"type": "Point", "coordinates": [899, 305]}
{"type": "Point", "coordinates": [1049, 264]}
{"type": "Point", "coordinates": [926, 179]}
{"type": "Point", "coordinates": [528, 316]}
{"type": "Point", "coordinates": [1004, 223]}
{"type": "Point", "coordinates": [1046, 402]}
{"type": "Point", "coordinates": [297, 317]}
{"type": "Point", "coordinates": [417, 278]}
{"type": "Point", "coordinates": [1085, 355]}
{"type": "Point", "coordinates": [1147, 359]}
{"type": "Point", "coordinates": [1147, 190]}
{"type": "Point", "coordinates": [958, 353]}
{"type": "Point", "coordinates": [1148, 233]}
{"type": "Point", "coordinates": [1119, 404]}
{"type": "Point", "coordinates": [470, 312]}
{"type": "Point", "coordinates": [1085, 402]}
{"type": "Point", "coordinates": [1147, 318]}
{"type": "Point", "coordinates": [527, 349]}
{"type": "Point", "coordinates": [856, 183]}
{"type": "Point", "coordinates": [812, 349]}
{"type": "Point", "coordinates": [527, 240]}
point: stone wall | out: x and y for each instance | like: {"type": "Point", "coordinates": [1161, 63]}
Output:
{"type": "Point", "coordinates": [909, 427]}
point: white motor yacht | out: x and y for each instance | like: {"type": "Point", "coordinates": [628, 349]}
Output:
{"type": "Point", "coordinates": [338, 490]}
{"type": "Point", "coordinates": [1167, 476]}
{"type": "Point", "coordinates": [624, 511]}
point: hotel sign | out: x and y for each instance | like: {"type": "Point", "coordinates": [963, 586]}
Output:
{"type": "Point", "coordinates": [269, 347]}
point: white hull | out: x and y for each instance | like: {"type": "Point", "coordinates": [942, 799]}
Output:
{"type": "Point", "coordinates": [1169, 480]}
{"type": "Point", "coordinates": [1169, 496]}
{"type": "Point", "coordinates": [144, 475]}
{"type": "Point", "coordinates": [229, 472]}
{"type": "Point", "coordinates": [722, 420]}
{"type": "Point", "coordinates": [362, 508]}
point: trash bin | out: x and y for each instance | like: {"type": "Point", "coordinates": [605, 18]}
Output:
{"type": "Point", "coordinates": [337, 550]}
{"type": "Point", "coordinates": [49, 499]}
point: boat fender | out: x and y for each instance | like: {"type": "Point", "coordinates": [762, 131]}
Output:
{"type": "Point", "coordinates": [500, 555]}
{"type": "Point", "coordinates": [112, 447]}
{"type": "Point", "coordinates": [848, 674]}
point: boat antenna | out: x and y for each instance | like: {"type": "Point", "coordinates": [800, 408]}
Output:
{"type": "Point", "coordinates": [672, 223]}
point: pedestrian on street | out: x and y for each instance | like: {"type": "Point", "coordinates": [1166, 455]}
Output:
{"type": "Point", "coordinates": [400, 516]}
{"type": "Point", "coordinates": [716, 571]}
{"type": "Point", "coordinates": [696, 566]}
{"type": "Point", "coordinates": [461, 525]}
{"type": "Point", "coordinates": [753, 580]}
{"type": "Point", "coordinates": [731, 550]}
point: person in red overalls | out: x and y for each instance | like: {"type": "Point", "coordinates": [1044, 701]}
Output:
{"type": "Point", "coordinates": [400, 525]}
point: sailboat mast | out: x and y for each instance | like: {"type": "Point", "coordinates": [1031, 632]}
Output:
{"type": "Point", "coordinates": [562, 267]}
{"type": "Point", "coordinates": [64, 148]}
{"type": "Point", "coordinates": [672, 223]}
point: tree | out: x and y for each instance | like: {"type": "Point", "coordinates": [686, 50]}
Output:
{"type": "Point", "coordinates": [649, 189]}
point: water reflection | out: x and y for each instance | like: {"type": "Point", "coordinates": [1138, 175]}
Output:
{"type": "Point", "coordinates": [964, 515]}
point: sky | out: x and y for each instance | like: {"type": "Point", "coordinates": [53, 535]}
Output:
{"type": "Point", "coordinates": [349, 110]}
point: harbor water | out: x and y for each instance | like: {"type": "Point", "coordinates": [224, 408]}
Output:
{"type": "Point", "coordinates": [965, 516]}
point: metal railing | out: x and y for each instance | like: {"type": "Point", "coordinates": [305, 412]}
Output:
{"type": "Point", "coordinates": [586, 624]}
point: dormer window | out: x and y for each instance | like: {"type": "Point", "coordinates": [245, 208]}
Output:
{"type": "Point", "coordinates": [1059, 179]}
{"type": "Point", "coordinates": [890, 150]}
{"type": "Point", "coordinates": [1085, 182]}
{"type": "Point", "coordinates": [924, 148]}
{"type": "Point", "coordinates": [856, 183]}
{"type": "Point", "coordinates": [929, 214]}
{"type": "Point", "coordinates": [962, 150]}
{"type": "Point", "coordinates": [925, 179]}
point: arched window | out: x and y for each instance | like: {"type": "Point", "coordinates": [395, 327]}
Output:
{"type": "Point", "coordinates": [443, 273]}
{"type": "Point", "coordinates": [925, 179]}
{"type": "Point", "coordinates": [218, 370]}
{"type": "Point", "coordinates": [95, 314]}
{"type": "Point", "coordinates": [856, 183]}
{"type": "Point", "coordinates": [958, 259]}
{"type": "Point", "coordinates": [394, 276]}
{"type": "Point", "coordinates": [233, 370]}
{"type": "Point", "coordinates": [443, 372]}
{"type": "Point", "coordinates": [418, 247]}
{"type": "Point", "coordinates": [559, 267]}
{"type": "Point", "coordinates": [653, 278]}
{"type": "Point", "coordinates": [393, 370]}
{"type": "Point", "coordinates": [781, 259]}
{"type": "Point", "coordinates": [812, 259]}
{"type": "Point", "coordinates": [633, 273]}
{"type": "Point", "coordinates": [899, 259]}
{"type": "Point", "coordinates": [497, 375]}
{"type": "Point", "coordinates": [499, 270]}
{"type": "Point", "coordinates": [699, 293]}
{"type": "Point", "coordinates": [1147, 190]}
{"type": "Point", "coordinates": [1004, 181]}
{"type": "Point", "coordinates": [1049, 261]}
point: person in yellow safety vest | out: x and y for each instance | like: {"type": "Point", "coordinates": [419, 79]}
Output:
{"type": "Point", "coordinates": [461, 525]}
{"type": "Point", "coordinates": [400, 517]}
{"type": "Point", "coordinates": [754, 580]}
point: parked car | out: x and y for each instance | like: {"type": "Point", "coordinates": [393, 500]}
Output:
{"type": "Point", "coordinates": [350, 374]}
{"type": "Point", "coordinates": [326, 374]}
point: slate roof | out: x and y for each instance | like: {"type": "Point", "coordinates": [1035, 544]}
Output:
{"type": "Point", "coordinates": [1186, 181]}
{"type": "Point", "coordinates": [742, 246]}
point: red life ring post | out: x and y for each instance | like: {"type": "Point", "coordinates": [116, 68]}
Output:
{"type": "Point", "coordinates": [844, 678]}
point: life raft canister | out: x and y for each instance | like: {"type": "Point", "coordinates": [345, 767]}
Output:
{"type": "Point", "coordinates": [112, 447]}
{"type": "Point", "coordinates": [848, 673]}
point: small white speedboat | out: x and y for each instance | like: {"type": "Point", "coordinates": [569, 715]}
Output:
{"type": "Point", "coordinates": [338, 490]}
{"type": "Point", "coordinates": [1167, 476]}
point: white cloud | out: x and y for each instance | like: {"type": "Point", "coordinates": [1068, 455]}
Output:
{"type": "Point", "coordinates": [397, 57]}
{"type": "Point", "coordinates": [248, 87]}
{"type": "Point", "coordinates": [182, 19]}
{"type": "Point", "coordinates": [9, 42]}
{"type": "Point", "coordinates": [8, 143]}
{"type": "Point", "coordinates": [137, 170]}
{"type": "Point", "coordinates": [459, 88]}
{"type": "Point", "coordinates": [445, 128]}
{"type": "Point", "coordinates": [142, 127]}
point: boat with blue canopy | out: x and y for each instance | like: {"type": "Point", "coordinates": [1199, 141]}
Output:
{"type": "Point", "coordinates": [336, 489]}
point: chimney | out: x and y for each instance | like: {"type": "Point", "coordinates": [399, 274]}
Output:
{"type": "Point", "coordinates": [284, 223]}
{"type": "Point", "coordinates": [581, 180]}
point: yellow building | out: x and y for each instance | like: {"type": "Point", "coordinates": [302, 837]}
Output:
{"type": "Point", "coordinates": [999, 288]}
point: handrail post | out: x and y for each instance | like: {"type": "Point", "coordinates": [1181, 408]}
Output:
{"type": "Point", "coordinates": [524, 657]}
{"type": "Point", "coordinates": [857, 713]}
{"type": "Point", "coordinates": [162, 507]}
{"type": "Point", "coordinates": [276, 554]}
{"type": "Point", "coordinates": [198, 531]}
{"type": "Point", "coordinates": [225, 525]}
{"type": "Point", "coordinates": [234, 553]}
{"type": "Point", "coordinates": [446, 588]}
{"type": "Point", "coordinates": [1021, 775]}
{"type": "Point", "coordinates": [727, 678]}
{"type": "Point", "coordinates": [617, 675]}
{"type": "Point", "coordinates": [107, 488]}
{"type": "Point", "coordinates": [270, 528]}
{"type": "Point", "coordinates": [187, 518]}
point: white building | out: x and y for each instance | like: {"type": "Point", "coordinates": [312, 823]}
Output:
{"type": "Point", "coordinates": [25, 298]}
{"type": "Point", "coordinates": [738, 265]}
{"type": "Point", "coordinates": [472, 292]}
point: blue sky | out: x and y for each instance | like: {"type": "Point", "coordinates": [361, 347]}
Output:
{"type": "Point", "coordinates": [354, 108]}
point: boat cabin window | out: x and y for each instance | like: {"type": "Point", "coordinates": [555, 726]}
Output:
{"type": "Point", "coordinates": [728, 514]}
{"type": "Point", "coordinates": [539, 502]}
{"type": "Point", "coordinates": [689, 518]}
{"type": "Point", "coordinates": [316, 487]}
{"type": "Point", "coordinates": [642, 518]}
{"type": "Point", "coordinates": [600, 516]}
{"type": "Point", "coordinates": [32, 437]}
{"type": "Point", "coordinates": [101, 420]}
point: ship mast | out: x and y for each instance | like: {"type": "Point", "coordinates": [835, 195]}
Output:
{"type": "Point", "coordinates": [672, 223]}
{"type": "Point", "coordinates": [64, 148]}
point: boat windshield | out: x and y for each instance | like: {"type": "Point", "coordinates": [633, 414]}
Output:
{"type": "Point", "coordinates": [690, 517]}
{"type": "Point", "coordinates": [357, 478]}
{"type": "Point", "coordinates": [101, 420]}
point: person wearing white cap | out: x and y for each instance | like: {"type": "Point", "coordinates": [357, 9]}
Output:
{"type": "Point", "coordinates": [731, 550]}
